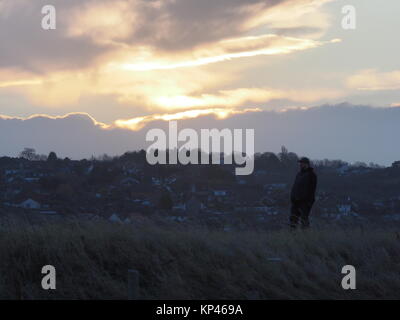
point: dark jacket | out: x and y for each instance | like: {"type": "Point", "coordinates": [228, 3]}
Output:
{"type": "Point", "coordinates": [304, 186]}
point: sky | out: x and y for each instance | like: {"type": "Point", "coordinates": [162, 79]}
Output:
{"type": "Point", "coordinates": [128, 64]}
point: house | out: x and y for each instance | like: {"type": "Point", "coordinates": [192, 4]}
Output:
{"type": "Point", "coordinates": [344, 209]}
{"type": "Point", "coordinates": [392, 217]}
{"type": "Point", "coordinates": [129, 181]}
{"type": "Point", "coordinates": [114, 218]}
{"type": "Point", "coordinates": [49, 212]}
{"type": "Point", "coordinates": [89, 170]}
{"type": "Point", "coordinates": [88, 216]}
{"type": "Point", "coordinates": [31, 179]}
{"type": "Point", "coordinates": [127, 221]}
{"type": "Point", "coordinates": [29, 204]}
{"type": "Point", "coordinates": [220, 193]}
{"type": "Point", "coordinates": [342, 170]}
{"type": "Point", "coordinates": [193, 206]}
{"type": "Point", "coordinates": [275, 186]}
{"type": "Point", "coordinates": [379, 204]}
{"type": "Point", "coordinates": [179, 207]}
{"type": "Point", "coordinates": [257, 209]}
{"type": "Point", "coordinates": [396, 164]}
{"type": "Point", "coordinates": [177, 218]}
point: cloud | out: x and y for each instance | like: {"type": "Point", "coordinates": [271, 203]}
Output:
{"type": "Point", "coordinates": [223, 51]}
{"type": "Point", "coordinates": [104, 21]}
{"type": "Point", "coordinates": [78, 115]}
{"type": "Point", "coordinates": [154, 90]}
{"type": "Point", "coordinates": [293, 18]}
{"type": "Point", "coordinates": [241, 96]}
{"type": "Point", "coordinates": [184, 24]}
{"type": "Point", "coordinates": [26, 46]}
{"type": "Point", "coordinates": [140, 122]}
{"type": "Point", "coordinates": [88, 30]}
{"type": "Point", "coordinates": [345, 132]}
{"type": "Point", "coordinates": [134, 51]}
{"type": "Point", "coordinates": [131, 88]}
{"type": "Point", "coordinates": [74, 135]}
{"type": "Point", "coordinates": [373, 80]}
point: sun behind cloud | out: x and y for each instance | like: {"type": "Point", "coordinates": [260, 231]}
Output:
{"type": "Point", "coordinates": [166, 57]}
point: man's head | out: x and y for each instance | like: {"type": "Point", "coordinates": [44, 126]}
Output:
{"type": "Point", "coordinates": [304, 163]}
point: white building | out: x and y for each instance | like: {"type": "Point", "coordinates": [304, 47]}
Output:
{"type": "Point", "coordinates": [29, 204]}
{"type": "Point", "coordinates": [114, 218]}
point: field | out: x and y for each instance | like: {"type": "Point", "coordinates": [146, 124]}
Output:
{"type": "Point", "coordinates": [192, 262]}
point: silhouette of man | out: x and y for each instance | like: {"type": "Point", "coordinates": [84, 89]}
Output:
{"type": "Point", "coordinates": [302, 195]}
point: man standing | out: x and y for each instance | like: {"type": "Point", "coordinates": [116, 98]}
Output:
{"type": "Point", "coordinates": [303, 194]}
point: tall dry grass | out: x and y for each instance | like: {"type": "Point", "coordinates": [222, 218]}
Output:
{"type": "Point", "coordinates": [191, 262]}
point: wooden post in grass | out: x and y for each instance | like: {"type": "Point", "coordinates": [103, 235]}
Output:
{"type": "Point", "coordinates": [133, 284]}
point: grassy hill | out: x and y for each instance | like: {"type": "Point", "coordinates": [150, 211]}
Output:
{"type": "Point", "coordinates": [190, 262]}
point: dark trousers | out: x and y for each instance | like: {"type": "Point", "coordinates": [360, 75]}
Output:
{"type": "Point", "coordinates": [300, 211]}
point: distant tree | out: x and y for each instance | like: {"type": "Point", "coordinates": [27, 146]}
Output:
{"type": "Point", "coordinates": [165, 202]}
{"type": "Point", "coordinates": [283, 155]}
{"type": "Point", "coordinates": [102, 173]}
{"type": "Point", "coordinates": [288, 159]}
{"type": "Point", "coordinates": [359, 164]}
{"type": "Point", "coordinates": [375, 165]}
{"type": "Point", "coordinates": [65, 191]}
{"type": "Point", "coordinates": [216, 173]}
{"type": "Point", "coordinates": [50, 183]}
{"type": "Point", "coordinates": [29, 154]}
{"type": "Point", "coordinates": [268, 161]}
{"type": "Point", "coordinates": [293, 157]}
{"type": "Point", "coordinates": [137, 157]}
{"type": "Point", "coordinates": [330, 163]}
{"type": "Point", "coordinates": [52, 157]}
{"type": "Point", "coordinates": [104, 157]}
{"type": "Point", "coordinates": [40, 157]}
